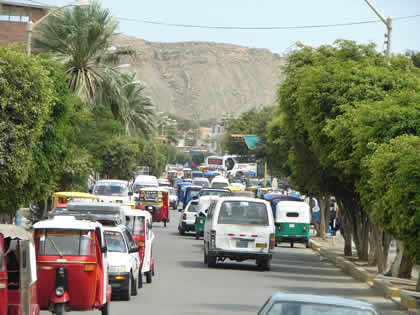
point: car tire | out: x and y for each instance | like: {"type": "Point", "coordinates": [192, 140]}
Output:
{"type": "Point", "coordinates": [265, 264]}
{"type": "Point", "coordinates": [197, 236]}
{"type": "Point", "coordinates": [307, 244]}
{"type": "Point", "coordinates": [153, 270]}
{"type": "Point", "coordinates": [105, 309]}
{"type": "Point", "coordinates": [205, 257]}
{"type": "Point", "coordinates": [291, 244]}
{"type": "Point", "coordinates": [148, 277]}
{"type": "Point", "coordinates": [181, 231]}
{"type": "Point", "coordinates": [211, 261]}
{"type": "Point", "coordinates": [133, 287]}
{"type": "Point", "coordinates": [140, 281]}
{"type": "Point", "coordinates": [125, 292]}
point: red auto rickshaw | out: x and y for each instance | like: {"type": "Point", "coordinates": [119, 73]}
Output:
{"type": "Point", "coordinates": [156, 201]}
{"type": "Point", "coordinates": [17, 272]}
{"type": "Point", "coordinates": [139, 223]}
{"type": "Point", "coordinates": [72, 265]}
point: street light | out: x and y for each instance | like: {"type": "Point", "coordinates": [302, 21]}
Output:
{"type": "Point", "coordinates": [30, 26]}
{"type": "Point", "coordinates": [388, 23]}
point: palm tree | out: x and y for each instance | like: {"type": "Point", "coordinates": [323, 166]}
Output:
{"type": "Point", "coordinates": [128, 104]}
{"type": "Point", "coordinates": [80, 38]}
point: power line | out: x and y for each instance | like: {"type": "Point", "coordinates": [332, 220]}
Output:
{"type": "Point", "coordinates": [260, 27]}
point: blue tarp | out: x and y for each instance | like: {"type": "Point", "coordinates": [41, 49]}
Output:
{"type": "Point", "coordinates": [251, 141]}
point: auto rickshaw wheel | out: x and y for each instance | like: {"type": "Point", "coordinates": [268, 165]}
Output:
{"type": "Point", "coordinates": [140, 281]}
{"type": "Point", "coordinates": [307, 244]}
{"type": "Point", "coordinates": [181, 231]}
{"type": "Point", "coordinates": [153, 270]}
{"type": "Point", "coordinates": [105, 309]}
{"type": "Point", "coordinates": [125, 292]}
{"type": "Point", "coordinates": [149, 277]}
{"type": "Point", "coordinates": [60, 308]}
{"type": "Point", "coordinates": [205, 257]}
{"type": "Point", "coordinates": [291, 244]}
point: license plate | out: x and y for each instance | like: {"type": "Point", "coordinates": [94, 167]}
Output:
{"type": "Point", "coordinates": [242, 244]}
{"type": "Point", "coordinates": [261, 245]}
{"type": "Point", "coordinates": [291, 225]}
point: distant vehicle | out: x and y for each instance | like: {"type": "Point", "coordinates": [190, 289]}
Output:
{"type": "Point", "coordinates": [187, 218]}
{"type": "Point", "coordinates": [201, 181]}
{"type": "Point", "coordinates": [195, 174]}
{"type": "Point", "coordinates": [144, 181]}
{"type": "Point", "coordinates": [187, 172]}
{"type": "Point", "coordinates": [223, 163]}
{"type": "Point", "coordinates": [63, 197]}
{"type": "Point", "coordinates": [141, 170]}
{"type": "Point", "coordinates": [306, 304]}
{"type": "Point", "coordinates": [163, 182]}
{"type": "Point", "coordinates": [239, 228]}
{"type": "Point", "coordinates": [200, 219]}
{"type": "Point", "coordinates": [214, 192]}
{"type": "Point", "coordinates": [173, 198]}
{"type": "Point", "coordinates": [219, 182]}
{"type": "Point", "coordinates": [156, 201]}
{"type": "Point", "coordinates": [123, 261]}
{"type": "Point", "coordinates": [112, 190]}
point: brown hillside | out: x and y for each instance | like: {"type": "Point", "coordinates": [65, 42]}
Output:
{"type": "Point", "coordinates": [204, 80]}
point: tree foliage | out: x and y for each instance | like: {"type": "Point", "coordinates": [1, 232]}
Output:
{"type": "Point", "coordinates": [26, 98]}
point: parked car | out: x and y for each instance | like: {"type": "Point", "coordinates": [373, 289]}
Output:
{"type": "Point", "coordinates": [123, 261]}
{"type": "Point", "coordinates": [239, 228]}
{"type": "Point", "coordinates": [187, 217]}
{"type": "Point", "coordinates": [306, 304]}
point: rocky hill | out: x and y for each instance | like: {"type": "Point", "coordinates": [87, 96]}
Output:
{"type": "Point", "coordinates": [201, 80]}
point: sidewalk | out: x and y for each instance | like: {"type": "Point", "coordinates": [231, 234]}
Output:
{"type": "Point", "coordinates": [401, 291]}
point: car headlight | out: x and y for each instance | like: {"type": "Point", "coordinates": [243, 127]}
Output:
{"type": "Point", "coordinates": [117, 269]}
{"type": "Point", "coordinates": [59, 291]}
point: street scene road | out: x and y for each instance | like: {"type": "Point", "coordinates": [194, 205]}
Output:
{"type": "Point", "coordinates": [185, 285]}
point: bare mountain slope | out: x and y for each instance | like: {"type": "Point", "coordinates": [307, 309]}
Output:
{"type": "Point", "coordinates": [204, 80]}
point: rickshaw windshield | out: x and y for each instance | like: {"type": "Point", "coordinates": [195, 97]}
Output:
{"type": "Point", "coordinates": [150, 195]}
{"type": "Point", "coordinates": [243, 212]}
{"type": "Point", "coordinates": [114, 242]}
{"type": "Point", "coordinates": [62, 242]}
{"type": "Point", "coordinates": [110, 189]}
{"type": "Point", "coordinates": [135, 225]}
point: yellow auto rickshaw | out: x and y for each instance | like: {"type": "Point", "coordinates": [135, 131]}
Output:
{"type": "Point", "coordinates": [63, 197]}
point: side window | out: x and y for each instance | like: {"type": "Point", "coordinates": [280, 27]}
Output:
{"type": "Point", "coordinates": [130, 240]}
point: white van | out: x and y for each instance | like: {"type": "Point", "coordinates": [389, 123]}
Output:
{"type": "Point", "coordinates": [239, 228]}
{"type": "Point", "coordinates": [143, 181]}
{"type": "Point", "coordinates": [219, 182]}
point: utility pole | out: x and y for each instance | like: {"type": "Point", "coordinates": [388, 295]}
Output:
{"type": "Point", "coordinates": [388, 23]}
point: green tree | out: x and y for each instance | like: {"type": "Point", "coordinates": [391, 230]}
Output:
{"type": "Point", "coordinates": [81, 39]}
{"type": "Point", "coordinates": [119, 158]}
{"type": "Point", "coordinates": [26, 97]}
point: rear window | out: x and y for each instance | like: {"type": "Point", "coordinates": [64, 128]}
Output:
{"type": "Point", "coordinates": [221, 193]}
{"type": "Point", "coordinates": [135, 225]}
{"type": "Point", "coordinates": [194, 207]}
{"type": "Point", "coordinates": [243, 212]}
{"type": "Point", "coordinates": [292, 214]}
{"type": "Point", "coordinates": [219, 185]}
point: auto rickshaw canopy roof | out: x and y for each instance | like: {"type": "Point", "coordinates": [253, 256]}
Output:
{"type": "Point", "coordinates": [232, 188]}
{"type": "Point", "coordinates": [15, 232]}
{"type": "Point", "coordinates": [138, 213]}
{"type": "Point", "coordinates": [161, 189]}
{"type": "Point", "coordinates": [67, 222]}
{"type": "Point", "coordinates": [75, 194]}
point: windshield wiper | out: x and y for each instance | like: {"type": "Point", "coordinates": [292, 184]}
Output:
{"type": "Point", "coordinates": [55, 246]}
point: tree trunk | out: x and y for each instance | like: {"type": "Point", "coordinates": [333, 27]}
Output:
{"type": "Point", "coordinates": [345, 230]}
{"type": "Point", "coordinates": [322, 206]}
{"type": "Point", "coordinates": [381, 248]}
{"type": "Point", "coordinates": [418, 285]}
{"type": "Point", "coordinates": [406, 266]}
{"type": "Point", "coordinates": [374, 247]}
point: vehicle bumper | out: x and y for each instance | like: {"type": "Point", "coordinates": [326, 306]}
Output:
{"type": "Point", "coordinates": [188, 226]}
{"type": "Point", "coordinates": [234, 255]}
{"type": "Point", "coordinates": [292, 238]}
{"type": "Point", "coordinates": [118, 281]}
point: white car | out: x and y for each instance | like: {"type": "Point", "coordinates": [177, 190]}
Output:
{"type": "Point", "coordinates": [123, 261]}
{"type": "Point", "coordinates": [173, 198]}
{"type": "Point", "coordinates": [219, 182]}
{"type": "Point", "coordinates": [187, 217]}
{"type": "Point", "coordinates": [112, 190]}
{"type": "Point", "coordinates": [239, 228]}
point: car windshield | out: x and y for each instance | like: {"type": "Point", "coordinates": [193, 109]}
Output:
{"type": "Point", "coordinates": [294, 308]}
{"type": "Point", "coordinates": [243, 212]}
{"type": "Point", "coordinates": [219, 185]}
{"type": "Point", "coordinates": [194, 207]}
{"type": "Point", "coordinates": [114, 242]}
{"type": "Point", "coordinates": [110, 189]}
{"type": "Point", "coordinates": [220, 193]}
{"type": "Point", "coordinates": [62, 242]}
{"type": "Point", "coordinates": [135, 225]}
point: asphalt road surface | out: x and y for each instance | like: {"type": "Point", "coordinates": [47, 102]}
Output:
{"type": "Point", "coordinates": [184, 285]}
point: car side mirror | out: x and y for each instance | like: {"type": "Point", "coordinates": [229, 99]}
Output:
{"type": "Point", "coordinates": [134, 249]}
{"type": "Point", "coordinates": [104, 249]}
{"type": "Point", "coordinates": [130, 193]}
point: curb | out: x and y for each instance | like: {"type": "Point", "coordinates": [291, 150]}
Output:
{"type": "Point", "coordinates": [405, 299]}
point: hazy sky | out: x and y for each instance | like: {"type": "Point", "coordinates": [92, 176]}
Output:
{"type": "Point", "coordinates": [267, 13]}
